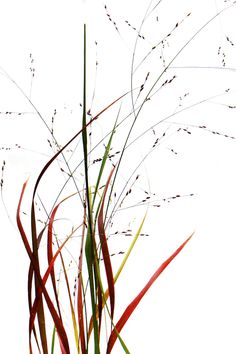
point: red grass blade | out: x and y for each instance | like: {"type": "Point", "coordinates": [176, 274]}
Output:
{"type": "Point", "coordinates": [81, 318]}
{"type": "Point", "coordinates": [71, 140]}
{"type": "Point", "coordinates": [130, 309]}
{"type": "Point", "coordinates": [30, 286]}
{"type": "Point", "coordinates": [105, 250]}
{"type": "Point", "coordinates": [34, 254]}
{"type": "Point", "coordinates": [50, 250]}
{"type": "Point", "coordinates": [59, 326]}
{"type": "Point", "coordinates": [40, 290]}
{"type": "Point", "coordinates": [50, 254]}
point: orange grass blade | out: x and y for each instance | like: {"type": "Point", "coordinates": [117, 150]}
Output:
{"type": "Point", "coordinates": [105, 250]}
{"type": "Point", "coordinates": [132, 306]}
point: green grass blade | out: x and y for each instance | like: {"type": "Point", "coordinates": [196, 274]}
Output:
{"type": "Point", "coordinates": [106, 293]}
{"type": "Point", "coordinates": [90, 241]}
{"type": "Point", "coordinates": [105, 251]}
{"type": "Point", "coordinates": [104, 160]}
{"type": "Point", "coordinates": [53, 339]}
{"type": "Point", "coordinates": [127, 254]}
{"type": "Point", "coordinates": [81, 303]}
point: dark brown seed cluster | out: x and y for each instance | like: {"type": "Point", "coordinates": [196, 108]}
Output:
{"type": "Point", "coordinates": [158, 140]}
{"type": "Point", "coordinates": [166, 82]}
{"type": "Point", "coordinates": [52, 121]}
{"type": "Point", "coordinates": [222, 54]}
{"type": "Point", "coordinates": [10, 113]}
{"type": "Point", "coordinates": [135, 29]}
{"type": "Point", "coordinates": [142, 86]}
{"type": "Point", "coordinates": [32, 68]}
{"type": "Point", "coordinates": [7, 148]}
{"type": "Point", "coordinates": [229, 40]}
{"type": "Point", "coordinates": [216, 132]}
{"type": "Point", "coordinates": [110, 19]}
{"type": "Point", "coordinates": [128, 233]}
{"type": "Point", "coordinates": [165, 200]}
{"type": "Point", "coordinates": [3, 168]}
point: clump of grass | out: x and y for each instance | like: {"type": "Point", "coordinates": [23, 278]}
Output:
{"type": "Point", "coordinates": [75, 312]}
{"type": "Point", "coordinates": [93, 244]}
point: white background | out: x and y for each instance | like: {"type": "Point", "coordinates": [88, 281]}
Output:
{"type": "Point", "coordinates": [191, 308]}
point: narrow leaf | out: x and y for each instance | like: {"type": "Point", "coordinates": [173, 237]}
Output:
{"type": "Point", "coordinates": [132, 306]}
{"type": "Point", "coordinates": [60, 329]}
{"type": "Point", "coordinates": [106, 294]}
{"type": "Point", "coordinates": [105, 250]}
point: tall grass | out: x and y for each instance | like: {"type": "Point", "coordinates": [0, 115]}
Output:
{"type": "Point", "coordinates": [72, 277]}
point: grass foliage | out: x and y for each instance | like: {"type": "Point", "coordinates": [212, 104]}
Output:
{"type": "Point", "coordinates": [71, 277]}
